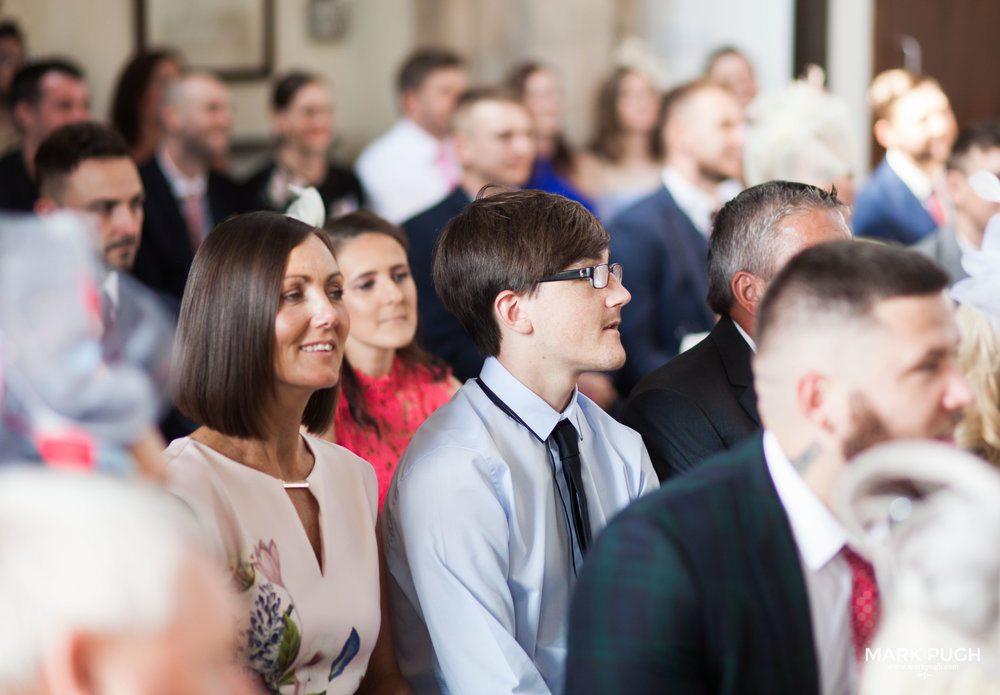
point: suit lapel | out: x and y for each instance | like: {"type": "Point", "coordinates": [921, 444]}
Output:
{"type": "Point", "coordinates": [777, 573]}
{"type": "Point", "coordinates": [736, 356]}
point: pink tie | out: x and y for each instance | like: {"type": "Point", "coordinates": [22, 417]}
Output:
{"type": "Point", "coordinates": [866, 608]}
{"type": "Point", "coordinates": [194, 219]}
{"type": "Point", "coordinates": [445, 163]}
{"type": "Point", "coordinates": [935, 207]}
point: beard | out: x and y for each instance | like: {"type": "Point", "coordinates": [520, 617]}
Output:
{"type": "Point", "coordinates": [869, 428]}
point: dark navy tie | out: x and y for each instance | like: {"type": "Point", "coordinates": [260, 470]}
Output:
{"type": "Point", "coordinates": [567, 442]}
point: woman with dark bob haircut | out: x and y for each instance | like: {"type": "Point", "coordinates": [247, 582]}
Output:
{"type": "Point", "coordinates": [259, 345]}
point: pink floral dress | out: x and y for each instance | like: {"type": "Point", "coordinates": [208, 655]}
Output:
{"type": "Point", "coordinates": [399, 402]}
{"type": "Point", "coordinates": [312, 626]}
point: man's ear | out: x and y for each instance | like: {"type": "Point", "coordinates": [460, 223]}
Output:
{"type": "Point", "coordinates": [511, 312]}
{"type": "Point", "coordinates": [817, 401]}
{"type": "Point", "coordinates": [748, 290]}
{"type": "Point", "coordinates": [23, 116]}
{"type": "Point", "coordinates": [461, 141]}
{"type": "Point", "coordinates": [70, 664]}
{"type": "Point", "coordinates": [883, 132]}
{"type": "Point", "coordinates": [171, 117]}
{"type": "Point", "coordinates": [45, 206]}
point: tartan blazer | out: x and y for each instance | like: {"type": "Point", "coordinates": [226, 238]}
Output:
{"type": "Point", "coordinates": [696, 588]}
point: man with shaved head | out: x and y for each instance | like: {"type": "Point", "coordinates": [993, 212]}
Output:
{"type": "Point", "coordinates": [495, 144]}
{"type": "Point", "coordinates": [184, 197]}
{"type": "Point", "coordinates": [663, 239]}
{"type": "Point", "coordinates": [736, 577]}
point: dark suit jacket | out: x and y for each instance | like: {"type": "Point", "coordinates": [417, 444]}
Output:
{"type": "Point", "coordinates": [697, 404]}
{"type": "Point", "coordinates": [440, 331]}
{"type": "Point", "coordinates": [886, 209]}
{"type": "Point", "coordinates": [17, 191]}
{"type": "Point", "coordinates": [696, 588]}
{"type": "Point", "coordinates": [665, 261]}
{"type": "Point", "coordinates": [165, 252]}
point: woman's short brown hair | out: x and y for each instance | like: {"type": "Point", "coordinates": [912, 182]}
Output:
{"type": "Point", "coordinates": [223, 367]}
{"type": "Point", "coordinates": [508, 241]}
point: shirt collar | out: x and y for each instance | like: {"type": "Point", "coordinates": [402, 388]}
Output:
{"type": "Point", "coordinates": [698, 205]}
{"type": "Point", "coordinates": [746, 336]}
{"type": "Point", "coordinates": [110, 287]}
{"type": "Point", "coordinates": [538, 415]}
{"type": "Point", "coordinates": [181, 185]}
{"type": "Point", "coordinates": [918, 182]}
{"type": "Point", "coordinates": [818, 535]}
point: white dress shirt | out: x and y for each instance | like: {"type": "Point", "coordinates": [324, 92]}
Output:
{"type": "Point", "coordinates": [185, 186]}
{"type": "Point", "coordinates": [819, 538]}
{"type": "Point", "coordinates": [477, 538]}
{"type": "Point", "coordinates": [402, 171]}
{"type": "Point", "coordinates": [698, 205]}
{"type": "Point", "coordinates": [917, 181]}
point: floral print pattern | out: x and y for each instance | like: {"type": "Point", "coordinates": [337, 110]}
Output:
{"type": "Point", "coordinates": [273, 639]}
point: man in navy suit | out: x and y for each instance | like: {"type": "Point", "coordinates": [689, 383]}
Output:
{"type": "Point", "coordinates": [703, 401]}
{"type": "Point", "coordinates": [185, 198]}
{"type": "Point", "coordinates": [734, 578]}
{"type": "Point", "coordinates": [977, 148]}
{"type": "Point", "coordinates": [662, 241]}
{"type": "Point", "coordinates": [493, 139]}
{"type": "Point", "coordinates": [905, 199]}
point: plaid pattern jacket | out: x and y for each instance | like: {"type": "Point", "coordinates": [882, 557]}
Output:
{"type": "Point", "coordinates": [696, 588]}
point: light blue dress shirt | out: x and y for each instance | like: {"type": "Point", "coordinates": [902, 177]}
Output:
{"type": "Point", "coordinates": [480, 553]}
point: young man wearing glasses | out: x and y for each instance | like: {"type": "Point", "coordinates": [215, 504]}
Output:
{"type": "Point", "coordinates": [502, 491]}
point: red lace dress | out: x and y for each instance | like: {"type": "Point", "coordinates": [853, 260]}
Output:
{"type": "Point", "coordinates": [399, 402]}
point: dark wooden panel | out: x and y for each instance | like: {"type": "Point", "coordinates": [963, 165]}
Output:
{"type": "Point", "coordinates": [958, 40]}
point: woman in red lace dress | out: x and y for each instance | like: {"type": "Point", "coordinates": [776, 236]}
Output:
{"type": "Point", "coordinates": [389, 385]}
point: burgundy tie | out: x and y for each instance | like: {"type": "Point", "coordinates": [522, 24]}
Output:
{"type": "Point", "coordinates": [866, 608]}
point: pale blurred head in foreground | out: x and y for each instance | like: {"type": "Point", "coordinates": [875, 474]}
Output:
{"type": "Point", "coordinates": [105, 588]}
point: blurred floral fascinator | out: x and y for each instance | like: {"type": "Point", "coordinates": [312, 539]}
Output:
{"type": "Point", "coordinates": [307, 207]}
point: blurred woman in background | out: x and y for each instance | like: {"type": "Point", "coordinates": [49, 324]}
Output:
{"type": "Point", "coordinates": [136, 102]}
{"type": "Point", "coordinates": [303, 124]}
{"type": "Point", "coordinates": [389, 385]}
{"type": "Point", "coordinates": [556, 163]}
{"type": "Point", "coordinates": [622, 165]}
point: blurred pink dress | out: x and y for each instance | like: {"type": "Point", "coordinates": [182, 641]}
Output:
{"type": "Point", "coordinates": [400, 402]}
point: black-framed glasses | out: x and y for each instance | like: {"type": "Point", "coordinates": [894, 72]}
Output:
{"type": "Point", "coordinates": [599, 275]}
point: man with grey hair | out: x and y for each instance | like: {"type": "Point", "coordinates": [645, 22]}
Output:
{"type": "Point", "coordinates": [703, 401]}
{"type": "Point", "coordinates": [105, 587]}
{"type": "Point", "coordinates": [185, 198]}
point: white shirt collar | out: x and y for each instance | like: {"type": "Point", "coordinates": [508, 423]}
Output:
{"type": "Point", "coordinates": [818, 535]}
{"type": "Point", "coordinates": [746, 336]}
{"type": "Point", "coordinates": [693, 202]}
{"type": "Point", "coordinates": [181, 185]}
{"type": "Point", "coordinates": [918, 182]}
{"type": "Point", "coordinates": [110, 287]}
{"type": "Point", "coordinates": [538, 415]}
